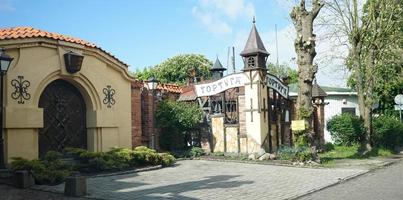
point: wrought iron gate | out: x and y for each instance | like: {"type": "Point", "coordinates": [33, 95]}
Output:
{"type": "Point", "coordinates": [64, 118]}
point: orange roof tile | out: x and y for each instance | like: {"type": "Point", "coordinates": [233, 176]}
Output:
{"type": "Point", "coordinates": [170, 87]}
{"type": "Point", "coordinates": [29, 32]}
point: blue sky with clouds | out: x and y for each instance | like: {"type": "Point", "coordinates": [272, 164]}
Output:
{"type": "Point", "coordinates": [145, 32]}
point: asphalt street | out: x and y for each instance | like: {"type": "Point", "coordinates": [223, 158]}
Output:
{"type": "Point", "coordinates": [386, 183]}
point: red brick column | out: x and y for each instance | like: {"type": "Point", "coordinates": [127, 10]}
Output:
{"type": "Point", "coordinates": [136, 115]}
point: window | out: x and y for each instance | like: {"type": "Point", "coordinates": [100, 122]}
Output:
{"type": "Point", "coordinates": [251, 62]}
{"type": "Point", "coordinates": [348, 110]}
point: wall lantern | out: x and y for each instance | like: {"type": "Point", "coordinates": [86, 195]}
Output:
{"type": "Point", "coordinates": [5, 61]}
{"type": "Point", "coordinates": [73, 62]}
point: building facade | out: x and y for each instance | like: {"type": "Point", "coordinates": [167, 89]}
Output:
{"type": "Point", "coordinates": [50, 104]}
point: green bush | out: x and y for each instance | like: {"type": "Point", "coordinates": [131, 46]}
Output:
{"type": "Point", "coordinates": [300, 154]}
{"type": "Point", "coordinates": [116, 159]}
{"type": "Point", "coordinates": [177, 120]}
{"type": "Point", "coordinates": [167, 159]}
{"type": "Point", "coordinates": [197, 152]}
{"type": "Point", "coordinates": [387, 132]}
{"type": "Point", "coordinates": [51, 170]}
{"type": "Point", "coordinates": [328, 146]}
{"type": "Point", "coordinates": [346, 129]}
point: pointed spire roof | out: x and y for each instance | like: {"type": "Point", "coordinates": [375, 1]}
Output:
{"type": "Point", "coordinates": [254, 43]}
{"type": "Point", "coordinates": [317, 91]}
{"type": "Point", "coordinates": [217, 66]}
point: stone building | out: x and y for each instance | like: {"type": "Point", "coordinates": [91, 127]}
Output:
{"type": "Point", "coordinates": [62, 92]}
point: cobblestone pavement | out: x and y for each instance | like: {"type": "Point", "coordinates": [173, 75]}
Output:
{"type": "Point", "coordinates": [386, 183]}
{"type": "Point", "coordinates": [199, 179]}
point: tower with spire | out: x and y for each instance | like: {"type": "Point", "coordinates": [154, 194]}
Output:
{"type": "Point", "coordinates": [217, 71]}
{"type": "Point", "coordinates": [256, 93]}
{"type": "Point", "coordinates": [254, 53]}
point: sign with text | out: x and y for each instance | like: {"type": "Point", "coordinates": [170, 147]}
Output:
{"type": "Point", "coordinates": [275, 83]}
{"type": "Point", "coordinates": [225, 83]}
{"type": "Point", "coordinates": [298, 125]}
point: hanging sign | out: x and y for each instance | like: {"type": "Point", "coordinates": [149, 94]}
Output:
{"type": "Point", "coordinates": [275, 83]}
{"type": "Point", "coordinates": [225, 83]}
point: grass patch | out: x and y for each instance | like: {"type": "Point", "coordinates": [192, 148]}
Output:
{"type": "Point", "coordinates": [350, 152]}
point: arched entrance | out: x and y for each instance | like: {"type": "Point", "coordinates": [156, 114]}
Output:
{"type": "Point", "coordinates": [64, 113]}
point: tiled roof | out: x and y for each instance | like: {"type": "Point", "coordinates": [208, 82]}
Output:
{"type": "Point", "coordinates": [29, 32]}
{"type": "Point", "coordinates": [170, 87]}
{"type": "Point", "coordinates": [188, 94]}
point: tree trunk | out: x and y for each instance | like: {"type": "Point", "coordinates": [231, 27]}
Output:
{"type": "Point", "coordinates": [305, 48]}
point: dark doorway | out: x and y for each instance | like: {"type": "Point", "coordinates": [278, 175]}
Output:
{"type": "Point", "coordinates": [64, 116]}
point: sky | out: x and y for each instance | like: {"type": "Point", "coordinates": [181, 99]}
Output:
{"type": "Point", "coordinates": [144, 33]}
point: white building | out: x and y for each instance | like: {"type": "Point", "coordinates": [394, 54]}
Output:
{"type": "Point", "coordinates": [339, 100]}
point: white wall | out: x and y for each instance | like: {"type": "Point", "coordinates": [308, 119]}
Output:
{"type": "Point", "coordinates": [335, 105]}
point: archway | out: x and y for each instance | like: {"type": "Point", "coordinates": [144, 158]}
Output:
{"type": "Point", "coordinates": [64, 113]}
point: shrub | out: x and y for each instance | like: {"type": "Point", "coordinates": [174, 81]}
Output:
{"type": "Point", "coordinates": [51, 170]}
{"type": "Point", "coordinates": [387, 132]}
{"type": "Point", "coordinates": [167, 159]}
{"type": "Point", "coordinates": [300, 154]}
{"type": "Point", "coordinates": [197, 152]}
{"type": "Point", "coordinates": [328, 146]}
{"type": "Point", "coordinates": [176, 121]}
{"type": "Point", "coordinates": [346, 129]}
{"type": "Point", "coordinates": [145, 156]}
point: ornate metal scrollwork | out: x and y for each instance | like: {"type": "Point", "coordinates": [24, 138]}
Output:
{"type": "Point", "coordinates": [21, 86]}
{"type": "Point", "coordinates": [109, 101]}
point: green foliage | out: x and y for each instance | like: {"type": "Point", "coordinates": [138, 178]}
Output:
{"type": "Point", "coordinates": [197, 152]}
{"type": "Point", "coordinates": [387, 132]}
{"type": "Point", "coordinates": [328, 146]}
{"type": "Point", "coordinates": [350, 152]}
{"type": "Point", "coordinates": [51, 170]}
{"type": "Point", "coordinates": [300, 154]}
{"type": "Point", "coordinates": [178, 69]}
{"type": "Point", "coordinates": [282, 71]}
{"type": "Point", "coordinates": [176, 121]}
{"type": "Point", "coordinates": [116, 159]}
{"type": "Point", "coordinates": [167, 159]}
{"type": "Point", "coordinates": [346, 129]}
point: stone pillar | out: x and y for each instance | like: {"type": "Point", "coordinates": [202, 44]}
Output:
{"type": "Point", "coordinates": [218, 139]}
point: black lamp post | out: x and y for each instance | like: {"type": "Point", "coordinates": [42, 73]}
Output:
{"type": "Point", "coordinates": [152, 84]}
{"type": "Point", "coordinates": [5, 61]}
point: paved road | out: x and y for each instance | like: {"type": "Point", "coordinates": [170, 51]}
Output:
{"type": "Point", "coordinates": [384, 184]}
{"type": "Point", "coordinates": [199, 179]}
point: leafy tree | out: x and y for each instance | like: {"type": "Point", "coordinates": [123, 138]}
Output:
{"type": "Point", "coordinates": [374, 38]}
{"type": "Point", "coordinates": [178, 69]}
{"type": "Point", "coordinates": [176, 121]}
{"type": "Point", "coordinates": [283, 70]}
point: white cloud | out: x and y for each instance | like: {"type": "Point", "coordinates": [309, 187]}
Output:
{"type": "Point", "coordinates": [212, 23]}
{"type": "Point", "coordinates": [6, 5]}
{"type": "Point", "coordinates": [217, 15]}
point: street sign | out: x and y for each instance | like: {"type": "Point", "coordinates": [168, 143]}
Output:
{"type": "Point", "coordinates": [399, 107]}
{"type": "Point", "coordinates": [399, 99]}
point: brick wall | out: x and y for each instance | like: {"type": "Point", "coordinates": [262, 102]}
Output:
{"type": "Point", "coordinates": [136, 116]}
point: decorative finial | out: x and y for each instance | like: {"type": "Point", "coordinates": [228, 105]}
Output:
{"type": "Point", "coordinates": [254, 20]}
